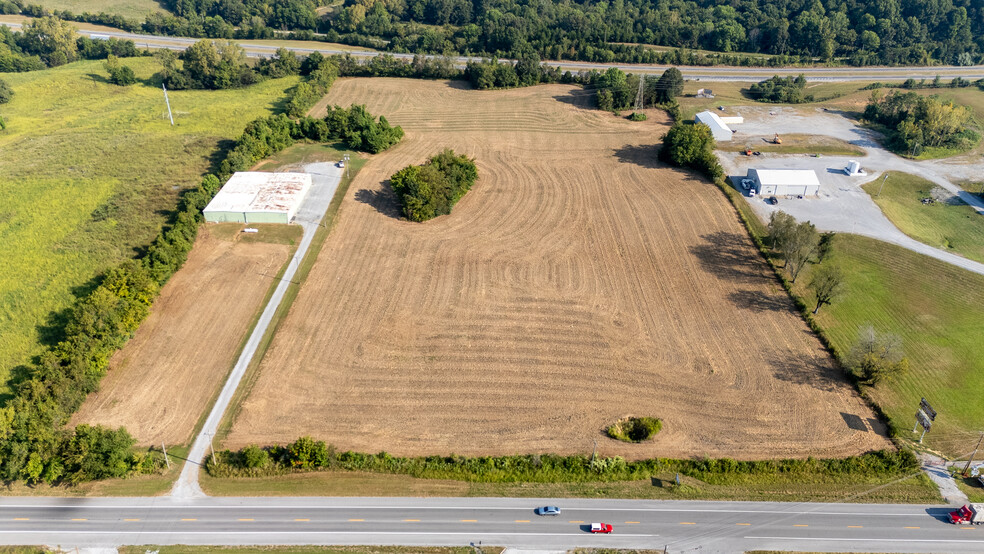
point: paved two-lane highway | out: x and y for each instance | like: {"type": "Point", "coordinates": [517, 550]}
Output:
{"type": "Point", "coordinates": [680, 526]}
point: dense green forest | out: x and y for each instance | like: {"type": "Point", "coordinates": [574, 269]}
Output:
{"type": "Point", "coordinates": [860, 32]}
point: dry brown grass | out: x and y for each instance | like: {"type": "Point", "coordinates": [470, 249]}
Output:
{"type": "Point", "coordinates": [161, 382]}
{"type": "Point", "coordinates": [578, 282]}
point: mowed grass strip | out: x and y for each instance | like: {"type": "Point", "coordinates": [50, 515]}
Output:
{"type": "Point", "coordinates": [88, 173]}
{"type": "Point", "coordinates": [957, 227]}
{"type": "Point", "coordinates": [936, 309]}
{"type": "Point", "coordinates": [132, 9]}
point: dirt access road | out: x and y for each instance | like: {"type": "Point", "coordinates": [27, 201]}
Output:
{"type": "Point", "coordinates": [160, 383]}
{"type": "Point", "coordinates": [578, 282]}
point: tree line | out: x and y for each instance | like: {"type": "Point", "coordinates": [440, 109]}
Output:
{"type": "Point", "coordinates": [50, 42]}
{"type": "Point", "coordinates": [785, 90]}
{"type": "Point", "coordinates": [858, 32]}
{"type": "Point", "coordinates": [431, 189]}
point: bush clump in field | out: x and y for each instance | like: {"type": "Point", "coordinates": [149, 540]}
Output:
{"type": "Point", "coordinates": [119, 74]}
{"type": "Point", "coordinates": [691, 146]}
{"type": "Point", "coordinates": [787, 90]}
{"type": "Point", "coordinates": [6, 93]}
{"type": "Point", "coordinates": [637, 116]}
{"type": "Point", "coordinates": [634, 429]}
{"type": "Point", "coordinates": [432, 189]}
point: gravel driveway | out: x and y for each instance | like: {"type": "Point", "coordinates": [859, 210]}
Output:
{"type": "Point", "coordinates": [843, 206]}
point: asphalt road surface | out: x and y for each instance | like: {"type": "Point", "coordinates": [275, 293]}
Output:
{"type": "Point", "coordinates": [678, 526]}
{"type": "Point", "coordinates": [717, 73]}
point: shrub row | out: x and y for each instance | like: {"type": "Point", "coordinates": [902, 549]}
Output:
{"type": "Point", "coordinates": [306, 454]}
{"type": "Point", "coordinates": [691, 146]}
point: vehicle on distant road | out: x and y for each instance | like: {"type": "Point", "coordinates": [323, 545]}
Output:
{"type": "Point", "coordinates": [972, 513]}
{"type": "Point", "coordinates": [341, 164]}
{"type": "Point", "coordinates": [772, 200]}
{"type": "Point", "coordinates": [601, 527]}
{"type": "Point", "coordinates": [548, 511]}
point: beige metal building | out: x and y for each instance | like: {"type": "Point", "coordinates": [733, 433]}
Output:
{"type": "Point", "coordinates": [259, 197]}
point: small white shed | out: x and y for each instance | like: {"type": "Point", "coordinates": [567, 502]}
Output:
{"type": "Point", "coordinates": [719, 128]}
{"type": "Point", "coordinates": [785, 182]}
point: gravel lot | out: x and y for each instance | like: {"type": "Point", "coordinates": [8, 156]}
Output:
{"type": "Point", "coordinates": [842, 204]}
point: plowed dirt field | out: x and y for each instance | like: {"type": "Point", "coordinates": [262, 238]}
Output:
{"type": "Point", "coordinates": [162, 381]}
{"type": "Point", "coordinates": [578, 282]}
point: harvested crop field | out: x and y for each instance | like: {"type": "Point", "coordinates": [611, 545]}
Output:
{"type": "Point", "coordinates": [161, 382]}
{"type": "Point", "coordinates": [578, 282]}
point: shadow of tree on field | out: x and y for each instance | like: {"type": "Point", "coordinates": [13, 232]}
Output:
{"type": "Point", "coordinates": [729, 256]}
{"type": "Point", "coordinates": [580, 98]}
{"type": "Point", "coordinates": [645, 155]}
{"type": "Point", "coordinates": [854, 422]}
{"type": "Point", "coordinates": [760, 301]}
{"type": "Point", "coordinates": [803, 369]}
{"type": "Point", "coordinates": [383, 200]}
{"type": "Point", "coordinates": [219, 154]}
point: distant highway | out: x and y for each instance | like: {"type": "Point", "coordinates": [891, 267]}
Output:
{"type": "Point", "coordinates": [718, 73]}
{"type": "Point", "coordinates": [679, 526]}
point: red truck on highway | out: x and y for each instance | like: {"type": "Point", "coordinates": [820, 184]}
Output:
{"type": "Point", "coordinates": [973, 513]}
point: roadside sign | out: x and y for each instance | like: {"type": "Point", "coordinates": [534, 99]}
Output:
{"type": "Point", "coordinates": [927, 409]}
{"type": "Point", "coordinates": [924, 420]}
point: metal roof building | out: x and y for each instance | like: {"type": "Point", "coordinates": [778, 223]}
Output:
{"type": "Point", "coordinates": [258, 197]}
{"type": "Point", "coordinates": [785, 182]}
{"type": "Point", "coordinates": [719, 128]}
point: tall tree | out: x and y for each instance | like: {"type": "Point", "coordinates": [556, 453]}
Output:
{"type": "Point", "coordinates": [826, 283]}
{"type": "Point", "coordinates": [877, 356]}
{"type": "Point", "coordinates": [668, 86]}
{"type": "Point", "coordinates": [799, 248]}
{"type": "Point", "coordinates": [781, 227]}
{"type": "Point", "coordinates": [51, 38]}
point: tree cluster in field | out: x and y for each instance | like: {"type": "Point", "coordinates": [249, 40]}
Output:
{"type": "Point", "coordinates": [307, 454]}
{"type": "Point", "coordinates": [799, 244]}
{"type": "Point", "coordinates": [866, 32]}
{"type": "Point", "coordinates": [691, 146]}
{"type": "Point", "coordinates": [119, 74]}
{"type": "Point", "coordinates": [937, 82]}
{"type": "Point", "coordinates": [913, 121]}
{"type": "Point", "coordinates": [617, 91]}
{"type": "Point", "coordinates": [788, 90]}
{"type": "Point", "coordinates": [634, 429]}
{"type": "Point", "coordinates": [875, 357]}
{"type": "Point", "coordinates": [432, 189]}
{"type": "Point", "coordinates": [50, 42]}
{"type": "Point", "coordinates": [6, 93]}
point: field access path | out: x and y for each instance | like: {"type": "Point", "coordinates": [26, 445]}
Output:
{"type": "Point", "coordinates": [679, 526]}
{"type": "Point", "coordinates": [325, 178]}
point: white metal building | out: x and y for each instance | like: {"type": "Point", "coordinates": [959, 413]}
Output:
{"type": "Point", "coordinates": [719, 128]}
{"type": "Point", "coordinates": [258, 197]}
{"type": "Point", "coordinates": [785, 182]}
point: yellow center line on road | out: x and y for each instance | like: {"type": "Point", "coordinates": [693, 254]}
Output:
{"type": "Point", "coordinates": [131, 519]}
{"type": "Point", "coordinates": [246, 519]}
{"type": "Point", "coordinates": [302, 519]}
{"type": "Point", "coordinates": [356, 520]}
{"type": "Point", "coordinates": [799, 525]}
{"type": "Point", "coordinates": [469, 521]}
{"type": "Point", "coordinates": [22, 519]}
{"type": "Point", "coordinates": [79, 519]}
{"type": "Point", "coordinates": [967, 528]}
{"type": "Point", "coordinates": [687, 523]}
{"type": "Point", "coordinates": [189, 519]}
{"type": "Point", "coordinates": [743, 524]}
{"type": "Point", "coordinates": [411, 520]}
{"type": "Point", "coordinates": [522, 521]}
{"type": "Point", "coordinates": [912, 528]}
{"type": "Point", "coordinates": [630, 522]}
{"type": "Point", "coordinates": [855, 527]}
{"type": "Point", "coordinates": [575, 521]}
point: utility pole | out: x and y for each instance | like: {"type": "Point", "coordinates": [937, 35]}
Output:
{"type": "Point", "coordinates": [976, 448]}
{"type": "Point", "coordinates": [883, 184]}
{"type": "Point", "coordinates": [639, 104]}
{"type": "Point", "coordinates": [212, 450]}
{"type": "Point", "coordinates": [168, 462]}
{"type": "Point", "coordinates": [168, 102]}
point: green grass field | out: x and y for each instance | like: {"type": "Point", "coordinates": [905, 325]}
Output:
{"type": "Point", "coordinates": [729, 93]}
{"type": "Point", "coordinates": [937, 310]}
{"type": "Point", "coordinates": [88, 173]}
{"type": "Point", "coordinates": [784, 488]}
{"type": "Point", "coordinates": [132, 9]}
{"type": "Point", "coordinates": [957, 228]}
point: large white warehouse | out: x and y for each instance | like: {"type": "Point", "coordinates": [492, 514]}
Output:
{"type": "Point", "coordinates": [785, 182]}
{"type": "Point", "coordinates": [719, 128]}
{"type": "Point", "coordinates": [258, 197]}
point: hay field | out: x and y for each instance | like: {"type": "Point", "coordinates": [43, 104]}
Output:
{"type": "Point", "coordinates": [159, 385]}
{"type": "Point", "coordinates": [578, 282]}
